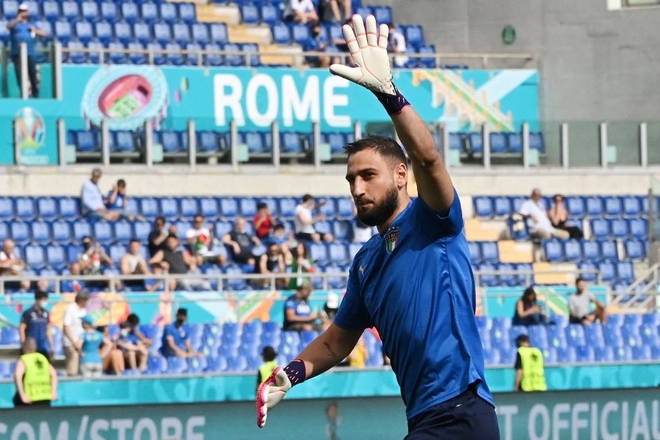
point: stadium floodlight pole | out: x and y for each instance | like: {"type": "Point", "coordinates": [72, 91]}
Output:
{"type": "Point", "coordinates": [24, 71]}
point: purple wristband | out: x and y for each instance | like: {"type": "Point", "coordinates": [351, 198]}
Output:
{"type": "Point", "coordinates": [393, 103]}
{"type": "Point", "coordinates": [296, 371]}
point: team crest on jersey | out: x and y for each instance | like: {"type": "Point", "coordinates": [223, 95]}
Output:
{"type": "Point", "coordinates": [391, 238]}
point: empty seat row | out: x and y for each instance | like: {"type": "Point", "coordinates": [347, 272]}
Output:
{"type": "Point", "coordinates": [129, 12]}
{"type": "Point", "coordinates": [593, 251]}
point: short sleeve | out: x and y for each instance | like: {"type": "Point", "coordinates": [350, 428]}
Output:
{"type": "Point", "coordinates": [352, 313]}
{"type": "Point", "coordinates": [25, 317]}
{"type": "Point", "coordinates": [69, 317]}
{"type": "Point", "coordinates": [448, 224]}
{"type": "Point", "coordinates": [168, 332]}
{"type": "Point", "coordinates": [525, 208]}
{"type": "Point", "coordinates": [518, 365]}
{"type": "Point", "coordinates": [290, 305]}
{"type": "Point", "coordinates": [190, 233]}
{"type": "Point", "coordinates": [592, 297]}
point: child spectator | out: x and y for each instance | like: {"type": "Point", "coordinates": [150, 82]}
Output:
{"type": "Point", "coordinates": [263, 221]}
{"type": "Point", "coordinates": [156, 284]}
{"type": "Point", "coordinates": [134, 322]}
{"type": "Point", "coordinates": [117, 200]}
{"type": "Point", "coordinates": [91, 363]}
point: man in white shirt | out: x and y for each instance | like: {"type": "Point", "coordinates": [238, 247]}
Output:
{"type": "Point", "coordinates": [301, 11]}
{"type": "Point", "coordinates": [91, 199]}
{"type": "Point", "coordinates": [203, 245]}
{"type": "Point", "coordinates": [398, 46]}
{"type": "Point", "coordinates": [304, 220]}
{"type": "Point", "coordinates": [537, 219]}
{"type": "Point", "coordinates": [72, 330]}
{"type": "Point", "coordinates": [12, 266]}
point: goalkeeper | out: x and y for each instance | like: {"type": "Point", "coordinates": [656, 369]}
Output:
{"type": "Point", "coordinates": [412, 281]}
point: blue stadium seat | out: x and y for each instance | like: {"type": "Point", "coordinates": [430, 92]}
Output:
{"type": "Point", "coordinates": [290, 142]}
{"type": "Point", "coordinates": [129, 12]}
{"type": "Point", "coordinates": [115, 56]}
{"type": "Point", "coordinates": [383, 14]}
{"type": "Point", "coordinates": [187, 13]}
{"type": "Point", "coordinates": [229, 207]}
{"type": "Point", "coordinates": [600, 229]}
{"type": "Point", "coordinates": [6, 209]}
{"type": "Point", "coordinates": [514, 142]}
{"type": "Point", "coordinates": [10, 335]}
{"type": "Point", "coordinates": [613, 206]}
{"type": "Point", "coordinates": [249, 14]}
{"type": "Point", "coordinates": [538, 336]}
{"type": "Point", "coordinates": [483, 207]}
{"type": "Point", "coordinates": [174, 55]}
{"type": "Point", "coordinates": [253, 49]}
{"type": "Point", "coordinates": [254, 141]}
{"type": "Point", "coordinates": [20, 233]}
{"type": "Point", "coordinates": [35, 257]}
{"type": "Point", "coordinates": [162, 32]}
{"type": "Point", "coordinates": [300, 34]}
{"type": "Point", "coordinates": [615, 320]}
{"type": "Point", "coordinates": [233, 59]}
{"type": "Point", "coordinates": [476, 143]}
{"type": "Point", "coordinates": [475, 252]}
{"type": "Point", "coordinates": [159, 60]}
{"type": "Point", "coordinates": [109, 12]}
{"type": "Point", "coordinates": [649, 334]}
{"type": "Point", "coordinates": [635, 250]}
{"type": "Point", "coordinates": [142, 33]}
{"type": "Point", "coordinates": [169, 208]}
{"type": "Point", "coordinates": [269, 14]}
{"type": "Point", "coordinates": [508, 279]}
{"type": "Point", "coordinates": [135, 57]}
{"type": "Point", "coordinates": [585, 354]}
{"type": "Point", "coordinates": [575, 207]}
{"type": "Point", "coordinates": [455, 141]}
{"type": "Point", "coordinates": [56, 256]}
{"type": "Point", "coordinates": [149, 13]}
{"type": "Point", "coordinates": [61, 231]}
{"type": "Point", "coordinates": [556, 336]}
{"type": "Point", "coordinates": [590, 250]}
{"type": "Point", "coordinates": [181, 33]}
{"type": "Point", "coordinates": [189, 208]}
{"type": "Point", "coordinates": [573, 250]}
{"type": "Point", "coordinates": [213, 58]}
{"type": "Point", "coordinates": [345, 208]}
{"type": "Point", "coordinates": [500, 332]}
{"type": "Point", "coordinates": [594, 206]}
{"type": "Point", "coordinates": [41, 232]}
{"type": "Point", "coordinates": [607, 271]}
{"type": "Point", "coordinates": [208, 207]}
{"type": "Point", "coordinates": [415, 36]}
{"type": "Point", "coordinates": [25, 209]}
{"type": "Point", "coordinates": [490, 252]}
{"type": "Point", "coordinates": [116, 252]}
{"type": "Point", "coordinates": [566, 355]}
{"type": "Point", "coordinates": [625, 272]}
{"type": "Point", "coordinates": [623, 354]}
{"type": "Point", "coordinates": [76, 54]}
{"type": "Point", "coordinates": [515, 331]}
{"type": "Point", "coordinates": [84, 31]}
{"type": "Point", "coordinates": [553, 251]}
{"type": "Point", "coordinates": [70, 11]}
{"type": "Point", "coordinates": [235, 283]}
{"type": "Point", "coordinates": [536, 142]}
{"type": "Point", "coordinates": [168, 13]}
{"type": "Point", "coordinates": [498, 142]}
{"type": "Point", "coordinates": [176, 365]}
{"type": "Point", "coordinates": [81, 228]}
{"type": "Point", "coordinates": [219, 33]}
{"type": "Point", "coordinates": [319, 253]}
{"type": "Point", "coordinates": [102, 232]}
{"type": "Point", "coordinates": [608, 250]}
{"type": "Point", "coordinates": [631, 207]}
{"type": "Point", "coordinates": [488, 278]}
{"type": "Point", "coordinates": [338, 253]}
{"type": "Point", "coordinates": [604, 354]}
{"type": "Point", "coordinates": [642, 353]}
{"type": "Point", "coordinates": [619, 228]}
{"type": "Point", "coordinates": [638, 228]}
{"type": "Point", "coordinates": [50, 10]}
{"type": "Point", "coordinates": [594, 335]}
{"type": "Point", "coordinates": [149, 208]}
{"type": "Point", "coordinates": [142, 229]}
{"type": "Point", "coordinates": [575, 335]}
{"type": "Point", "coordinates": [200, 34]}
{"type": "Point", "coordinates": [4, 231]}
{"type": "Point", "coordinates": [103, 32]}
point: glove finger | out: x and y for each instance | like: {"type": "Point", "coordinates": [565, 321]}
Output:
{"type": "Point", "coordinates": [351, 41]}
{"type": "Point", "coordinates": [360, 33]}
{"type": "Point", "coordinates": [384, 36]}
{"type": "Point", "coordinates": [350, 73]}
{"type": "Point", "coordinates": [372, 35]}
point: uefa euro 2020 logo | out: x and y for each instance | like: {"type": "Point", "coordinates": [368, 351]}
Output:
{"type": "Point", "coordinates": [31, 134]}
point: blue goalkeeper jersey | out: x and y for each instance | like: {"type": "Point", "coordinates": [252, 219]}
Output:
{"type": "Point", "coordinates": [414, 283]}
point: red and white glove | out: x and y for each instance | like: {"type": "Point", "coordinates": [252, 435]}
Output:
{"type": "Point", "coordinates": [270, 393]}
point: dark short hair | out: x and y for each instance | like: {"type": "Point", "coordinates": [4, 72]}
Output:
{"type": "Point", "coordinates": [40, 295]}
{"type": "Point", "coordinates": [383, 145]}
{"type": "Point", "coordinates": [269, 354]}
{"type": "Point", "coordinates": [160, 218]}
{"type": "Point", "coordinates": [182, 312]}
{"type": "Point", "coordinates": [134, 240]}
{"type": "Point", "coordinates": [133, 319]}
{"type": "Point", "coordinates": [307, 197]}
{"type": "Point", "coordinates": [522, 338]}
{"type": "Point", "coordinates": [172, 236]}
{"type": "Point", "coordinates": [262, 205]}
{"type": "Point", "coordinates": [121, 182]}
{"type": "Point", "coordinates": [279, 226]}
{"type": "Point", "coordinates": [578, 279]}
{"type": "Point", "coordinates": [87, 237]}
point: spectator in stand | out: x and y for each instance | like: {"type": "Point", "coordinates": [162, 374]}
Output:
{"type": "Point", "coordinates": [176, 341]}
{"type": "Point", "coordinates": [528, 312]}
{"type": "Point", "coordinates": [35, 378]}
{"type": "Point", "coordinates": [300, 11]}
{"type": "Point", "coordinates": [202, 243]}
{"type": "Point", "coordinates": [178, 262]}
{"type": "Point", "coordinates": [23, 29]}
{"type": "Point", "coordinates": [558, 216]}
{"type": "Point", "coordinates": [34, 324]}
{"type": "Point", "coordinates": [135, 353]}
{"type": "Point", "coordinates": [92, 261]}
{"type": "Point", "coordinates": [117, 200]}
{"type": "Point", "coordinates": [73, 285]}
{"type": "Point", "coordinates": [263, 221]}
{"type": "Point", "coordinates": [280, 237]}
{"type": "Point", "coordinates": [158, 236]}
{"type": "Point", "coordinates": [537, 219]}
{"type": "Point", "coordinates": [156, 284]}
{"type": "Point", "coordinates": [91, 199]}
{"type": "Point", "coordinates": [360, 355]}
{"type": "Point", "coordinates": [269, 356]}
{"type": "Point", "coordinates": [91, 363]}
{"type": "Point", "coordinates": [12, 266]}
{"type": "Point", "coordinates": [300, 264]}
{"type": "Point", "coordinates": [579, 306]}
{"type": "Point", "coordinates": [329, 311]}
{"type": "Point", "coordinates": [298, 314]}
{"type": "Point", "coordinates": [316, 43]}
{"type": "Point", "coordinates": [337, 11]}
{"type": "Point", "coordinates": [242, 243]}
{"type": "Point", "coordinates": [304, 220]}
{"type": "Point", "coordinates": [134, 264]}
{"type": "Point", "coordinates": [72, 330]}
{"type": "Point", "coordinates": [272, 262]}
{"type": "Point", "coordinates": [112, 357]}
{"type": "Point", "coordinates": [397, 46]}
{"type": "Point", "coordinates": [134, 321]}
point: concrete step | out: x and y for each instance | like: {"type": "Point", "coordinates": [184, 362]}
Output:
{"type": "Point", "coordinates": [484, 230]}
{"type": "Point", "coordinates": [250, 34]}
{"type": "Point", "coordinates": [218, 14]}
{"type": "Point", "coordinates": [275, 54]}
{"type": "Point", "coordinates": [515, 251]}
{"type": "Point", "coordinates": [556, 273]}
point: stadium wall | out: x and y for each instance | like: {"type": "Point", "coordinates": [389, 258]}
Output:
{"type": "Point", "coordinates": [607, 414]}
{"type": "Point", "coordinates": [595, 64]}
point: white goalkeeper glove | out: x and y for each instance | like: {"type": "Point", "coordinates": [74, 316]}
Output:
{"type": "Point", "coordinates": [270, 393]}
{"type": "Point", "coordinates": [369, 52]}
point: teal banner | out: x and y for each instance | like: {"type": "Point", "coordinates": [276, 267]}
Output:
{"type": "Point", "coordinates": [128, 95]}
{"type": "Point", "coordinates": [621, 414]}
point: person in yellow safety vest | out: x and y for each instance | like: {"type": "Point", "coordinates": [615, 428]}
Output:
{"type": "Point", "coordinates": [35, 377]}
{"type": "Point", "coordinates": [529, 367]}
{"type": "Point", "coordinates": [269, 355]}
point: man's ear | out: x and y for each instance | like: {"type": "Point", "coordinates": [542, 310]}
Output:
{"type": "Point", "coordinates": [401, 175]}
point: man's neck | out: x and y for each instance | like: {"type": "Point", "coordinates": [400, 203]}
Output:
{"type": "Point", "coordinates": [403, 204]}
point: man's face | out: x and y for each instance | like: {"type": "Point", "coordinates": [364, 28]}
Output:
{"type": "Point", "coordinates": [172, 243]}
{"type": "Point", "coordinates": [278, 232]}
{"type": "Point", "coordinates": [305, 292]}
{"type": "Point", "coordinates": [159, 225]}
{"type": "Point", "coordinates": [96, 176]}
{"type": "Point", "coordinates": [240, 225]}
{"type": "Point", "coordinates": [181, 318]}
{"type": "Point", "coordinates": [198, 222]}
{"type": "Point", "coordinates": [121, 188]}
{"type": "Point", "coordinates": [134, 247]}
{"type": "Point", "coordinates": [373, 183]}
{"type": "Point", "coordinates": [8, 247]}
{"type": "Point", "coordinates": [581, 286]}
{"type": "Point", "coordinates": [75, 269]}
{"type": "Point", "coordinates": [274, 250]}
{"type": "Point", "coordinates": [536, 195]}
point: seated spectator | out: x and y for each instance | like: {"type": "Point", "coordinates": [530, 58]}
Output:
{"type": "Point", "coordinates": [397, 43]}
{"type": "Point", "coordinates": [158, 236]}
{"type": "Point", "coordinates": [298, 314]}
{"type": "Point", "coordinates": [300, 264]}
{"type": "Point", "coordinates": [134, 322]}
{"type": "Point", "coordinates": [269, 356]}
{"type": "Point", "coordinates": [92, 260]}
{"type": "Point", "coordinates": [300, 11]}
{"type": "Point", "coordinates": [203, 245]}
{"type": "Point", "coordinates": [280, 237]}
{"type": "Point", "coordinates": [73, 285]}
{"type": "Point", "coordinates": [304, 220]}
{"type": "Point", "coordinates": [242, 243]}
{"type": "Point", "coordinates": [91, 199]}
{"type": "Point", "coordinates": [176, 341]}
{"type": "Point", "coordinates": [537, 219]}
{"type": "Point", "coordinates": [337, 11]}
{"type": "Point", "coordinates": [111, 356]}
{"type": "Point", "coordinates": [528, 312]}
{"type": "Point", "coordinates": [91, 363]}
{"type": "Point", "coordinates": [117, 201]}
{"type": "Point", "coordinates": [329, 311]}
{"type": "Point", "coordinates": [263, 221]}
{"type": "Point", "coordinates": [134, 264]}
{"type": "Point", "coordinates": [178, 262]}
{"type": "Point", "coordinates": [316, 44]}
{"type": "Point", "coordinates": [272, 262]}
{"type": "Point", "coordinates": [156, 284]}
{"type": "Point", "coordinates": [359, 355]}
{"type": "Point", "coordinates": [12, 266]}
{"type": "Point", "coordinates": [135, 353]}
{"type": "Point", "coordinates": [558, 216]}
{"type": "Point", "coordinates": [579, 306]}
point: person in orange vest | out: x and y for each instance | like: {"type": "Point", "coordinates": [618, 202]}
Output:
{"type": "Point", "coordinates": [35, 377]}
